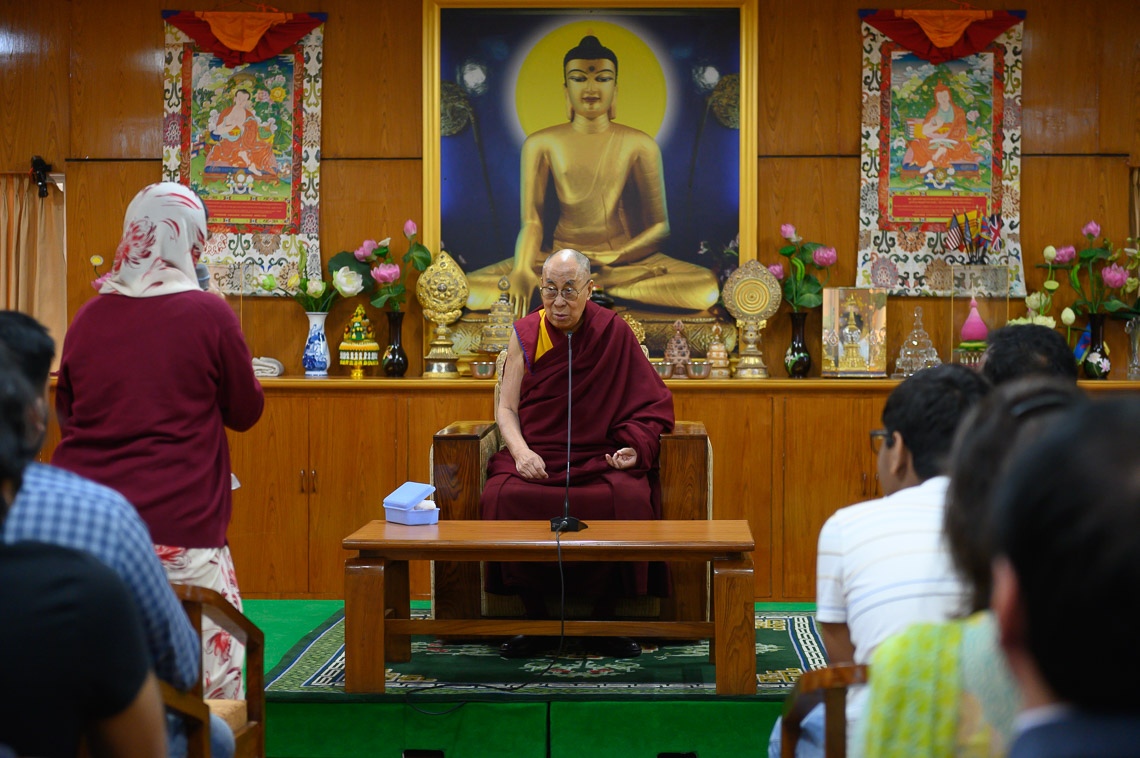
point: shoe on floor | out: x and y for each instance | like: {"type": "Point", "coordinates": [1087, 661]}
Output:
{"type": "Point", "coordinates": [523, 646]}
{"type": "Point", "coordinates": [617, 647]}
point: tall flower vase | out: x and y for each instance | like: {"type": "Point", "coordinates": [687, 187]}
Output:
{"type": "Point", "coordinates": [395, 360]}
{"type": "Point", "coordinates": [316, 356]}
{"type": "Point", "coordinates": [1095, 363]}
{"type": "Point", "coordinates": [797, 360]}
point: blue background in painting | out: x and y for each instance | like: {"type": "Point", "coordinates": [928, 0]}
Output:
{"type": "Point", "coordinates": [493, 37]}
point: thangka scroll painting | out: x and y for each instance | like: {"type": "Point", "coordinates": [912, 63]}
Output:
{"type": "Point", "coordinates": [242, 128]}
{"type": "Point", "coordinates": [941, 148]}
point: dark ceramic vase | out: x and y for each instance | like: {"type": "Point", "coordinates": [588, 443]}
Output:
{"type": "Point", "coordinates": [395, 360]}
{"type": "Point", "coordinates": [797, 360]}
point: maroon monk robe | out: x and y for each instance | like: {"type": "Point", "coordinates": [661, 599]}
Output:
{"type": "Point", "coordinates": [618, 401]}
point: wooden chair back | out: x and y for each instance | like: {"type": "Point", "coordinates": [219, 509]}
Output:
{"type": "Point", "coordinates": [246, 718]}
{"type": "Point", "coordinates": [828, 686]}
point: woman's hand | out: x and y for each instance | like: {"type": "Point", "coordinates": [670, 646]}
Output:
{"type": "Point", "coordinates": [622, 459]}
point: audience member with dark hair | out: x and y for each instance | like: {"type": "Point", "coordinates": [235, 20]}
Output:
{"type": "Point", "coordinates": [62, 508]}
{"type": "Point", "coordinates": [1067, 540]}
{"type": "Point", "coordinates": [883, 565]}
{"type": "Point", "coordinates": [1027, 350]}
{"type": "Point", "coordinates": [75, 665]}
{"type": "Point", "coordinates": [942, 688]}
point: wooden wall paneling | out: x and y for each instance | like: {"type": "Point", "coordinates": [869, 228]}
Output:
{"type": "Point", "coordinates": [428, 413]}
{"type": "Point", "coordinates": [1062, 56]}
{"type": "Point", "coordinates": [371, 199]}
{"type": "Point", "coordinates": [35, 38]}
{"type": "Point", "coordinates": [1118, 81]}
{"type": "Point", "coordinates": [827, 465]}
{"type": "Point", "coordinates": [810, 90]}
{"type": "Point", "coordinates": [373, 99]}
{"type": "Point", "coordinates": [116, 79]}
{"type": "Point", "coordinates": [739, 425]}
{"type": "Point", "coordinates": [353, 443]}
{"type": "Point", "coordinates": [98, 194]}
{"type": "Point", "coordinates": [820, 197]}
{"type": "Point", "coordinates": [269, 528]}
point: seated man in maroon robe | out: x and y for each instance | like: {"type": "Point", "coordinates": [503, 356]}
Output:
{"type": "Point", "coordinates": [611, 429]}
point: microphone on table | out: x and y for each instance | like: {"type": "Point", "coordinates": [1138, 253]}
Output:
{"type": "Point", "coordinates": [566, 522]}
{"type": "Point", "coordinates": [203, 273]}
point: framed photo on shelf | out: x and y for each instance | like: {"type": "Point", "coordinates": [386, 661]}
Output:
{"type": "Point", "coordinates": [614, 128]}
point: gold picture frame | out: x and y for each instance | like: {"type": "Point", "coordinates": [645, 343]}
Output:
{"type": "Point", "coordinates": [493, 76]}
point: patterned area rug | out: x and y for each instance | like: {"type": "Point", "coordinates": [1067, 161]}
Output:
{"type": "Point", "coordinates": [787, 644]}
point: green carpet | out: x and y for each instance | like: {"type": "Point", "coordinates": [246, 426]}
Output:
{"type": "Point", "coordinates": [787, 643]}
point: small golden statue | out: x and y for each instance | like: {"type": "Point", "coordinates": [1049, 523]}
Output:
{"type": "Point", "coordinates": [850, 339]}
{"type": "Point", "coordinates": [717, 354]}
{"type": "Point", "coordinates": [496, 333]}
{"type": "Point", "coordinates": [442, 291]}
{"type": "Point", "coordinates": [359, 348]}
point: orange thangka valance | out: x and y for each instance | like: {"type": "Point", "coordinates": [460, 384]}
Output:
{"type": "Point", "coordinates": [239, 37]}
{"type": "Point", "coordinates": [939, 36]}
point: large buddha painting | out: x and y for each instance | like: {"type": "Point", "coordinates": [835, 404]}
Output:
{"type": "Point", "coordinates": [613, 132]}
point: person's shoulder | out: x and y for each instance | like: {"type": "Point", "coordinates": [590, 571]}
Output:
{"type": "Point", "coordinates": [47, 487]}
{"type": "Point", "coordinates": [547, 136]}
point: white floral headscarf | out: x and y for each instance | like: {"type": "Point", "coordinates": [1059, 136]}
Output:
{"type": "Point", "coordinates": [164, 232]}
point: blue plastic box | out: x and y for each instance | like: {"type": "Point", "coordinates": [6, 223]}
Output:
{"type": "Point", "coordinates": [400, 505]}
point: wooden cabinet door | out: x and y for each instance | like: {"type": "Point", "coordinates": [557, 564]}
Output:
{"type": "Point", "coordinates": [827, 464]}
{"type": "Point", "coordinates": [269, 528]}
{"type": "Point", "coordinates": [356, 446]}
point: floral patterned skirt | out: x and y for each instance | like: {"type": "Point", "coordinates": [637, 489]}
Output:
{"type": "Point", "coordinates": [222, 656]}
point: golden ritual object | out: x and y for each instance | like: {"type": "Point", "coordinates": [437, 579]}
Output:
{"type": "Point", "coordinates": [638, 330]}
{"type": "Point", "coordinates": [850, 357]}
{"type": "Point", "coordinates": [359, 348]}
{"type": "Point", "coordinates": [442, 291]}
{"type": "Point", "coordinates": [495, 335]}
{"type": "Point", "coordinates": [717, 355]}
{"type": "Point", "coordinates": [752, 295]}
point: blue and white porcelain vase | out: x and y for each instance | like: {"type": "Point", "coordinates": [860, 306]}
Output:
{"type": "Point", "coordinates": [316, 356]}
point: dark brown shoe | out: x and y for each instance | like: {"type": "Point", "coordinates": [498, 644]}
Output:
{"type": "Point", "coordinates": [616, 647]}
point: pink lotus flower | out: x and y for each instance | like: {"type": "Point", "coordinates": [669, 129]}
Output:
{"type": "Point", "coordinates": [366, 251]}
{"type": "Point", "coordinates": [787, 231]}
{"type": "Point", "coordinates": [777, 270]}
{"type": "Point", "coordinates": [1065, 255]}
{"type": "Point", "coordinates": [824, 256]}
{"type": "Point", "coordinates": [1091, 229]}
{"type": "Point", "coordinates": [1114, 276]}
{"type": "Point", "coordinates": [410, 229]}
{"type": "Point", "coordinates": [386, 273]}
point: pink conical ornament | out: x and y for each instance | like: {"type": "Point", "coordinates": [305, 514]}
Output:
{"type": "Point", "coordinates": [974, 330]}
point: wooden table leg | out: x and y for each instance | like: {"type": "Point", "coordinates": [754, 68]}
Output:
{"type": "Point", "coordinates": [364, 641]}
{"type": "Point", "coordinates": [735, 627]}
{"type": "Point", "coordinates": [397, 601]}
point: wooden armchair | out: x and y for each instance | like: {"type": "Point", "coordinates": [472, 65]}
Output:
{"type": "Point", "coordinates": [245, 717]}
{"type": "Point", "coordinates": [829, 686]}
{"type": "Point", "coordinates": [460, 453]}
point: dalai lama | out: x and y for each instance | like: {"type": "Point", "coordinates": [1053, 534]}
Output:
{"type": "Point", "coordinates": [576, 380]}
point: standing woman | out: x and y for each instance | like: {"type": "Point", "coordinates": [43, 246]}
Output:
{"type": "Point", "coordinates": [152, 372]}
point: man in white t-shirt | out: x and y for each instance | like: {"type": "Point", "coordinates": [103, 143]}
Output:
{"type": "Point", "coordinates": [883, 565]}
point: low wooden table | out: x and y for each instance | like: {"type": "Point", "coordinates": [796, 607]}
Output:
{"type": "Point", "coordinates": [378, 627]}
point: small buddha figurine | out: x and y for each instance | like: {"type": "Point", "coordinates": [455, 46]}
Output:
{"type": "Point", "coordinates": [677, 350]}
{"type": "Point", "coordinates": [359, 348]}
{"type": "Point", "coordinates": [718, 355]}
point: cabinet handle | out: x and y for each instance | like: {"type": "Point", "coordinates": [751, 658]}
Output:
{"type": "Point", "coordinates": [313, 481]}
{"type": "Point", "coordinates": [864, 491]}
{"type": "Point", "coordinates": [302, 481]}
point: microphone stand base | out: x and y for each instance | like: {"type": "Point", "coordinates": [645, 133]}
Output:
{"type": "Point", "coordinates": [567, 524]}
